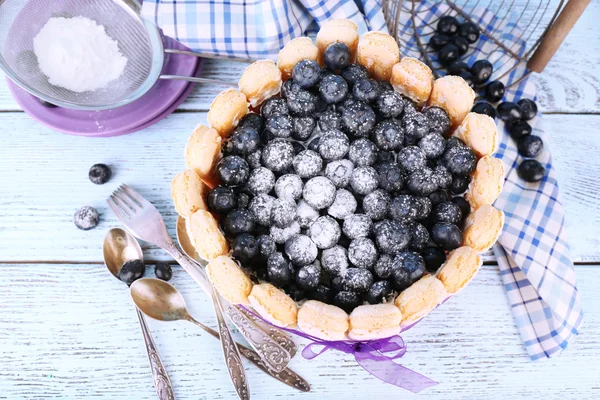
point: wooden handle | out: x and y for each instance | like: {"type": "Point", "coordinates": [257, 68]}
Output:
{"type": "Point", "coordinates": [556, 34]}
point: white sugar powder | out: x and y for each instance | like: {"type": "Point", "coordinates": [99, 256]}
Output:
{"type": "Point", "coordinates": [77, 54]}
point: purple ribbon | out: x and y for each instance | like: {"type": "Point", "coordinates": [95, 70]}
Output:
{"type": "Point", "coordinates": [376, 357]}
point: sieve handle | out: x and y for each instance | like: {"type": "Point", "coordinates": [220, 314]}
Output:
{"type": "Point", "coordinates": [204, 55]}
{"type": "Point", "coordinates": [197, 80]}
{"type": "Point", "coordinates": [556, 34]}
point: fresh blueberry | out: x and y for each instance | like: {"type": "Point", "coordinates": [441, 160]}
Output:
{"type": "Point", "coordinates": [422, 182]}
{"type": "Point", "coordinates": [412, 158]}
{"type": "Point", "coordinates": [325, 232]}
{"type": "Point", "coordinates": [366, 90]}
{"type": "Point", "coordinates": [302, 128]}
{"type": "Point", "coordinates": [357, 225]}
{"type": "Point", "coordinates": [334, 260]}
{"type": "Point", "coordinates": [411, 262]}
{"type": "Point", "coordinates": [391, 237]}
{"type": "Point", "coordinates": [378, 291]}
{"type": "Point", "coordinates": [415, 126]}
{"type": "Point", "coordinates": [400, 277]}
{"type": "Point", "coordinates": [404, 208]}
{"type": "Point", "coordinates": [330, 120]}
{"type": "Point", "coordinates": [388, 135]}
{"type": "Point", "coordinates": [289, 87]}
{"type": "Point", "coordinates": [334, 145]}
{"type": "Point", "coordinates": [163, 270]}
{"type": "Point", "coordinates": [308, 277]}
{"type": "Point", "coordinates": [462, 45]}
{"type": "Point", "coordinates": [434, 257]}
{"type": "Point", "coordinates": [383, 266]}
{"type": "Point", "coordinates": [437, 197]}
{"type": "Point", "coordinates": [301, 250]}
{"type": "Point", "coordinates": [443, 177]}
{"type": "Point", "coordinates": [343, 206]}
{"type": "Point", "coordinates": [519, 129]}
{"type": "Point", "coordinates": [321, 293]}
{"type": "Point", "coordinates": [448, 25]}
{"type": "Point", "coordinates": [306, 73]}
{"type": "Point", "coordinates": [357, 280]}
{"type": "Point", "coordinates": [221, 200]}
{"type": "Point", "coordinates": [453, 141]}
{"type": "Point", "coordinates": [438, 41]}
{"type": "Point", "coordinates": [346, 300]}
{"type": "Point", "coordinates": [337, 56]}
{"type": "Point", "coordinates": [531, 171]}
{"type": "Point", "coordinates": [353, 73]}
{"type": "Point", "coordinates": [530, 145]}
{"type": "Point", "coordinates": [528, 109]}
{"type": "Point", "coordinates": [86, 218]}
{"type": "Point", "coordinates": [131, 271]}
{"type": "Point", "coordinates": [463, 204]}
{"type": "Point", "coordinates": [283, 212]}
{"type": "Point", "coordinates": [280, 125]}
{"type": "Point", "coordinates": [447, 236]}
{"type": "Point", "coordinates": [390, 104]}
{"type": "Point", "coordinates": [362, 252]}
{"type": "Point", "coordinates": [375, 204]}
{"type": "Point", "coordinates": [245, 248]}
{"type": "Point", "coordinates": [279, 270]}
{"type": "Point", "coordinates": [307, 164]}
{"type": "Point", "coordinates": [448, 212]}
{"type": "Point", "coordinates": [266, 246]}
{"type": "Point", "coordinates": [359, 119]}
{"type": "Point", "coordinates": [242, 199]}
{"type": "Point", "coordinates": [237, 222]}
{"type": "Point", "coordinates": [244, 140]}
{"type": "Point", "coordinates": [481, 71]}
{"type": "Point", "coordinates": [339, 172]}
{"type": "Point", "coordinates": [261, 206]}
{"type": "Point", "coordinates": [494, 91]}
{"type": "Point", "coordinates": [419, 236]}
{"type": "Point", "coordinates": [302, 103]}
{"type": "Point", "coordinates": [364, 180]}
{"type": "Point", "coordinates": [278, 155]}
{"type": "Point", "coordinates": [438, 120]}
{"type": "Point", "coordinates": [460, 160]}
{"type": "Point", "coordinates": [333, 89]}
{"type": "Point", "coordinates": [460, 183]}
{"type": "Point", "coordinates": [99, 174]}
{"type": "Point", "coordinates": [483, 107]}
{"type": "Point", "coordinates": [469, 31]}
{"type": "Point", "coordinates": [261, 180]}
{"type": "Point", "coordinates": [457, 67]}
{"type": "Point", "coordinates": [509, 111]}
{"type": "Point", "coordinates": [448, 54]}
{"type": "Point", "coordinates": [433, 145]}
{"type": "Point", "coordinates": [273, 106]}
{"type": "Point", "coordinates": [233, 171]}
{"type": "Point", "coordinates": [253, 120]}
{"type": "Point", "coordinates": [362, 152]}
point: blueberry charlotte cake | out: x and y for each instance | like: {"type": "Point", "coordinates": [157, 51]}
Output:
{"type": "Point", "coordinates": [342, 190]}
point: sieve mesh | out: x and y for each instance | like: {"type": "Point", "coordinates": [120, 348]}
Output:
{"type": "Point", "coordinates": [140, 43]}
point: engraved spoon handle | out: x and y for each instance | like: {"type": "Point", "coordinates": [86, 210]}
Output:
{"type": "Point", "coordinates": [277, 334]}
{"type": "Point", "coordinates": [230, 350]}
{"type": "Point", "coordinates": [162, 383]}
{"type": "Point", "coordinates": [275, 356]}
{"type": "Point", "coordinates": [286, 376]}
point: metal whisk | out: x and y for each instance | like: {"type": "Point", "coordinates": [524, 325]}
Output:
{"type": "Point", "coordinates": [511, 33]}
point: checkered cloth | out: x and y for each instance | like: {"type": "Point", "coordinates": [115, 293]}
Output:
{"type": "Point", "coordinates": [532, 252]}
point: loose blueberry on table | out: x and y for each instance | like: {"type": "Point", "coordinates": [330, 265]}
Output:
{"type": "Point", "coordinates": [350, 218]}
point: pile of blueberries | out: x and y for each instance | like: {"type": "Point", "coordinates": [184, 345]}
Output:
{"type": "Point", "coordinates": [452, 41]}
{"type": "Point", "coordinates": [341, 190]}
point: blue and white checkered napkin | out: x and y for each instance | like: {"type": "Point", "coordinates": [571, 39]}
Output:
{"type": "Point", "coordinates": [532, 252]}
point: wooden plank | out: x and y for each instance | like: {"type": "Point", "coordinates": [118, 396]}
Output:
{"type": "Point", "coordinates": [46, 182]}
{"type": "Point", "coordinates": [70, 332]}
{"type": "Point", "coordinates": [570, 83]}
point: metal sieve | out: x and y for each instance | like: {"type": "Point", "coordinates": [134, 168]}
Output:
{"type": "Point", "coordinates": [139, 40]}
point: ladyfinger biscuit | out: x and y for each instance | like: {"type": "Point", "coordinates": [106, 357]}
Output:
{"type": "Point", "coordinates": [226, 110]}
{"type": "Point", "coordinates": [322, 320]}
{"type": "Point", "coordinates": [229, 279]}
{"type": "Point", "coordinates": [260, 80]}
{"type": "Point", "coordinates": [374, 321]}
{"type": "Point", "coordinates": [338, 30]}
{"type": "Point", "coordinates": [413, 79]}
{"type": "Point", "coordinates": [460, 267]}
{"type": "Point", "coordinates": [482, 228]}
{"type": "Point", "coordinates": [188, 193]}
{"type": "Point", "coordinates": [202, 152]}
{"type": "Point", "coordinates": [454, 95]}
{"type": "Point", "coordinates": [487, 181]}
{"type": "Point", "coordinates": [378, 52]}
{"type": "Point", "coordinates": [420, 298]}
{"type": "Point", "coordinates": [204, 233]}
{"type": "Point", "coordinates": [296, 50]}
{"type": "Point", "coordinates": [274, 305]}
{"type": "Point", "coordinates": [479, 132]}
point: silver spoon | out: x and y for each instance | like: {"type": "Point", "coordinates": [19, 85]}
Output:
{"type": "Point", "coordinates": [119, 247]}
{"type": "Point", "coordinates": [162, 301]}
{"type": "Point", "coordinates": [275, 348]}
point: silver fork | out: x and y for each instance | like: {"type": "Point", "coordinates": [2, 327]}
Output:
{"type": "Point", "coordinates": [144, 221]}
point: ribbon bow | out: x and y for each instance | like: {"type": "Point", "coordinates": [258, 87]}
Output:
{"type": "Point", "coordinates": [376, 357]}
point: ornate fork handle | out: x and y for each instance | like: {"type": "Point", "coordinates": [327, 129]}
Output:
{"type": "Point", "coordinates": [162, 383]}
{"type": "Point", "coordinates": [230, 350]}
{"type": "Point", "coordinates": [277, 334]}
{"type": "Point", "coordinates": [271, 352]}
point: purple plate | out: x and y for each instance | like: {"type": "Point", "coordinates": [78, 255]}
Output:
{"type": "Point", "coordinates": [161, 100]}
